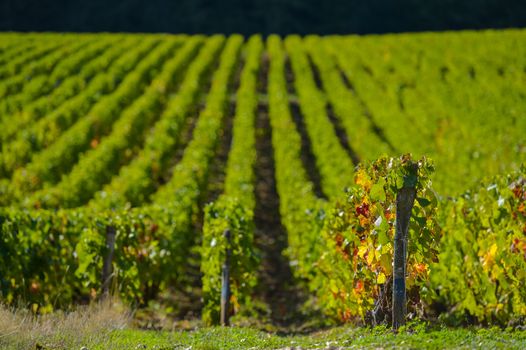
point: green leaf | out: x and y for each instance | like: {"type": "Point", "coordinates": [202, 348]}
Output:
{"type": "Point", "coordinates": [382, 237]}
{"type": "Point", "coordinates": [424, 202]}
{"type": "Point", "coordinates": [377, 191]}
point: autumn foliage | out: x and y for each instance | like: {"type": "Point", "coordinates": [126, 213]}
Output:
{"type": "Point", "coordinates": [356, 267]}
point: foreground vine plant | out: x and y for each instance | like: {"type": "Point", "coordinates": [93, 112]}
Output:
{"type": "Point", "coordinates": [356, 268]}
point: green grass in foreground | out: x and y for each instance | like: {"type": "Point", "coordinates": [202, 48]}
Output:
{"type": "Point", "coordinates": [101, 327]}
{"type": "Point", "coordinates": [336, 338]}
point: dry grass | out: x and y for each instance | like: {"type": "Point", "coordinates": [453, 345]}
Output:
{"type": "Point", "coordinates": [21, 329]}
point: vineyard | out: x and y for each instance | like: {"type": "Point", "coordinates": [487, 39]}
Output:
{"type": "Point", "coordinates": [296, 146]}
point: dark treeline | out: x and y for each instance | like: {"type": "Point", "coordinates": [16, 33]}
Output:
{"type": "Point", "coordinates": [260, 16]}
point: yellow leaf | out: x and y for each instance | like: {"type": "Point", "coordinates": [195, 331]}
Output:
{"type": "Point", "coordinates": [362, 179]}
{"type": "Point", "coordinates": [362, 250]}
{"type": "Point", "coordinates": [381, 278]}
{"type": "Point", "coordinates": [489, 258]}
{"type": "Point", "coordinates": [370, 257]}
{"type": "Point", "coordinates": [493, 250]}
{"type": "Point", "coordinates": [387, 263]}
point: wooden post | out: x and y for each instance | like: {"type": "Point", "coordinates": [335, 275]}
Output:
{"type": "Point", "coordinates": [107, 272]}
{"type": "Point", "coordinates": [404, 204]}
{"type": "Point", "coordinates": [225, 284]}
